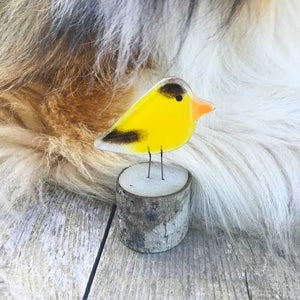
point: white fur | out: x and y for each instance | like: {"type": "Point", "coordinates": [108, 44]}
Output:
{"type": "Point", "coordinates": [245, 157]}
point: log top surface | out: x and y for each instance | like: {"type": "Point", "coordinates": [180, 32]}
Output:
{"type": "Point", "coordinates": [134, 180]}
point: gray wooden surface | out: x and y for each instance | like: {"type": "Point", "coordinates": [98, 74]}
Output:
{"type": "Point", "coordinates": [48, 253]}
{"type": "Point", "coordinates": [201, 267]}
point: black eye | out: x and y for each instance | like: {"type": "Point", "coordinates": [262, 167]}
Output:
{"type": "Point", "coordinates": [178, 98]}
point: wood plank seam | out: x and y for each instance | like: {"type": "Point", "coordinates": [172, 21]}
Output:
{"type": "Point", "coordinates": [249, 294]}
{"type": "Point", "coordinates": [98, 257]}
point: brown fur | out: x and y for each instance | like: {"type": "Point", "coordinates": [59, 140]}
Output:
{"type": "Point", "coordinates": [53, 103]}
{"type": "Point", "coordinates": [53, 133]}
{"type": "Point", "coordinates": [64, 72]}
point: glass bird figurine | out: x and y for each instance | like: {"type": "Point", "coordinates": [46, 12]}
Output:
{"type": "Point", "coordinates": [162, 120]}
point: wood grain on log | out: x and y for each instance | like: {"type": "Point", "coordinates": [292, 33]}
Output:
{"type": "Point", "coordinates": [148, 222]}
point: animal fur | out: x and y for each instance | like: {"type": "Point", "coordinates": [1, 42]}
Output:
{"type": "Point", "coordinates": [68, 69]}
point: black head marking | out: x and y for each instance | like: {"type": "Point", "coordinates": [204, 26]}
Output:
{"type": "Point", "coordinates": [172, 90]}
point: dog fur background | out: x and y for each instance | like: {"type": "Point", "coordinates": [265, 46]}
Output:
{"type": "Point", "coordinates": [68, 69]}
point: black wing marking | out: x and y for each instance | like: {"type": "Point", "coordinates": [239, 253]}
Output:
{"type": "Point", "coordinates": [122, 137]}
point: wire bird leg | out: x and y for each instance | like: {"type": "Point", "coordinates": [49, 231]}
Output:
{"type": "Point", "coordinates": [161, 163]}
{"type": "Point", "coordinates": [149, 166]}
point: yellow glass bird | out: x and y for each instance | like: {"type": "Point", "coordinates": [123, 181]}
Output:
{"type": "Point", "coordinates": [162, 120]}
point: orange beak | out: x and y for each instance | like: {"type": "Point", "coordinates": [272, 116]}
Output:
{"type": "Point", "coordinates": [200, 107]}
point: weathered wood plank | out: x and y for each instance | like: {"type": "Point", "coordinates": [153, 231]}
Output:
{"type": "Point", "coordinates": [48, 251]}
{"type": "Point", "coordinates": [201, 267]}
{"type": "Point", "coordinates": [3, 290]}
{"type": "Point", "coordinates": [270, 274]}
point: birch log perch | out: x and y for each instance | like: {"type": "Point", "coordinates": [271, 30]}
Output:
{"type": "Point", "coordinates": [153, 214]}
